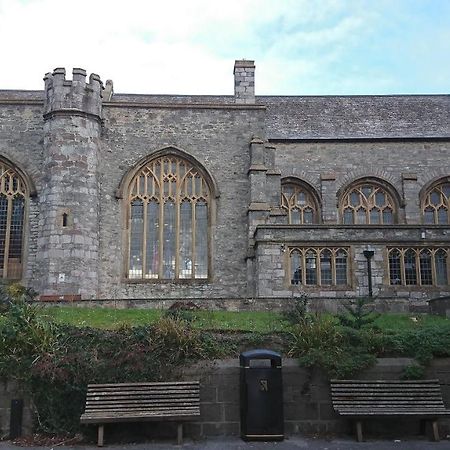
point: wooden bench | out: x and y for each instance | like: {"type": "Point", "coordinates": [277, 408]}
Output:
{"type": "Point", "coordinates": [136, 402]}
{"type": "Point", "coordinates": [360, 400]}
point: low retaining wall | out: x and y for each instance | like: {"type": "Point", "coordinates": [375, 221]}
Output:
{"type": "Point", "coordinates": [307, 403]}
{"type": "Point", "coordinates": [11, 391]}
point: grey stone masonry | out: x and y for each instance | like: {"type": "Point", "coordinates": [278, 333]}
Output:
{"type": "Point", "coordinates": [68, 241]}
{"type": "Point", "coordinates": [273, 242]}
{"type": "Point", "coordinates": [244, 81]}
{"type": "Point", "coordinates": [410, 197]}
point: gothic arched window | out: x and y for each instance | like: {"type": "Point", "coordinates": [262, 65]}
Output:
{"type": "Point", "coordinates": [368, 203]}
{"type": "Point", "coordinates": [168, 221]}
{"type": "Point", "coordinates": [436, 205]}
{"type": "Point", "coordinates": [300, 204]}
{"type": "Point", "coordinates": [12, 212]}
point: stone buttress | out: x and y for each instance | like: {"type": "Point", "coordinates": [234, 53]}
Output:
{"type": "Point", "coordinates": [69, 216]}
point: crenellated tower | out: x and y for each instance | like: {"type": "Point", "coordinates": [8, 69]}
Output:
{"type": "Point", "coordinates": [69, 216]}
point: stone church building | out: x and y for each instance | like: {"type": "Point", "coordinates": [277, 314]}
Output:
{"type": "Point", "coordinates": [242, 201]}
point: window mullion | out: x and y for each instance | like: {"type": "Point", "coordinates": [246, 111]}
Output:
{"type": "Point", "coordinates": [333, 267]}
{"type": "Point", "coordinates": [177, 220]}
{"type": "Point", "coordinates": [402, 267]}
{"type": "Point", "coordinates": [418, 270]}
{"type": "Point", "coordinates": [319, 267]}
{"type": "Point", "coordinates": [144, 238]}
{"type": "Point", "coordinates": [161, 222]}
{"type": "Point", "coordinates": [7, 237]}
{"type": "Point", "coordinates": [194, 227]}
{"type": "Point", "coordinates": [433, 268]}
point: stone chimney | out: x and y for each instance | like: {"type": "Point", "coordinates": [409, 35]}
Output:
{"type": "Point", "coordinates": [244, 81]}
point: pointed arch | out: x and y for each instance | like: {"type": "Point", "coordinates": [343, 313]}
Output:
{"type": "Point", "coordinates": [169, 199]}
{"type": "Point", "coordinates": [301, 201]}
{"type": "Point", "coordinates": [168, 150]}
{"type": "Point", "coordinates": [435, 202]}
{"type": "Point", "coordinates": [15, 190]}
{"type": "Point", "coordinates": [369, 200]}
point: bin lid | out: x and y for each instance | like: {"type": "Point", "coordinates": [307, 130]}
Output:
{"type": "Point", "coordinates": [247, 356]}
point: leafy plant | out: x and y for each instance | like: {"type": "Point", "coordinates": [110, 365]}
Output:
{"type": "Point", "coordinates": [413, 372]}
{"type": "Point", "coordinates": [297, 310]}
{"type": "Point", "coordinates": [359, 314]}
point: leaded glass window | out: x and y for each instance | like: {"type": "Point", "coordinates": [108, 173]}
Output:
{"type": "Point", "coordinates": [418, 266]}
{"type": "Point", "coordinates": [436, 205]}
{"type": "Point", "coordinates": [368, 203]}
{"type": "Point", "coordinates": [169, 203]}
{"type": "Point", "coordinates": [12, 212]}
{"type": "Point", "coordinates": [299, 203]}
{"type": "Point", "coordinates": [318, 266]}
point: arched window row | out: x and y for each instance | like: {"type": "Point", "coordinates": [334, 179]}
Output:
{"type": "Point", "coordinates": [436, 205]}
{"type": "Point", "coordinates": [13, 193]}
{"type": "Point", "coordinates": [319, 266]}
{"type": "Point", "coordinates": [418, 266]}
{"type": "Point", "coordinates": [366, 202]}
{"type": "Point", "coordinates": [169, 208]}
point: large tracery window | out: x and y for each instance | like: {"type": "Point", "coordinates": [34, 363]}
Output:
{"type": "Point", "coordinates": [318, 266]}
{"type": "Point", "coordinates": [299, 203]}
{"type": "Point", "coordinates": [368, 203]}
{"type": "Point", "coordinates": [12, 211]}
{"type": "Point", "coordinates": [169, 203]}
{"type": "Point", "coordinates": [436, 207]}
{"type": "Point", "coordinates": [418, 266]}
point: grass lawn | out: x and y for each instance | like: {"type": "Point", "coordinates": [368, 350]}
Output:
{"type": "Point", "coordinates": [259, 321]}
{"type": "Point", "coordinates": [109, 318]}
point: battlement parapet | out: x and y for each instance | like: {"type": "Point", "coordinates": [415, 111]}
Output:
{"type": "Point", "coordinates": [73, 95]}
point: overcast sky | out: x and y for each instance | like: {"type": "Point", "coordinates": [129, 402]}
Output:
{"type": "Point", "coordinates": [300, 47]}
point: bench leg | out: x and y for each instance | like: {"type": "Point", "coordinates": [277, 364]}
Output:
{"type": "Point", "coordinates": [434, 426]}
{"type": "Point", "coordinates": [359, 435]}
{"type": "Point", "coordinates": [180, 434]}
{"type": "Point", "coordinates": [101, 429]}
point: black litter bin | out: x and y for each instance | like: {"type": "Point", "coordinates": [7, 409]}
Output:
{"type": "Point", "coordinates": [261, 396]}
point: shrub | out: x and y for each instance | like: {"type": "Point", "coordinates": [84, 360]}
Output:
{"type": "Point", "coordinates": [413, 372]}
{"type": "Point", "coordinates": [358, 314]}
{"type": "Point", "coordinates": [297, 309]}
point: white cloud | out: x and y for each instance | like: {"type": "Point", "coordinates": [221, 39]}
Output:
{"type": "Point", "coordinates": [149, 46]}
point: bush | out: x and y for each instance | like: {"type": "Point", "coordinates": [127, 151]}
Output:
{"type": "Point", "coordinates": [358, 314]}
{"type": "Point", "coordinates": [297, 309]}
{"type": "Point", "coordinates": [25, 335]}
{"type": "Point", "coordinates": [413, 372]}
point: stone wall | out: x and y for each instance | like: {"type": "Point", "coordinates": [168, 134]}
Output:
{"type": "Point", "coordinates": [306, 398]}
{"type": "Point", "coordinates": [274, 242]}
{"type": "Point", "coordinates": [408, 166]}
{"type": "Point", "coordinates": [10, 391]}
{"type": "Point", "coordinates": [218, 138]}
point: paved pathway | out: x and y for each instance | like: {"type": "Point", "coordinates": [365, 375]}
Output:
{"type": "Point", "coordinates": [294, 443]}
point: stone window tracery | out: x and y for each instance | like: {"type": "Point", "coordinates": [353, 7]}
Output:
{"type": "Point", "coordinates": [436, 205]}
{"type": "Point", "coordinates": [368, 203]}
{"type": "Point", "coordinates": [318, 266]}
{"type": "Point", "coordinates": [169, 208]}
{"type": "Point", "coordinates": [299, 203]}
{"type": "Point", "coordinates": [13, 193]}
{"type": "Point", "coordinates": [418, 266]}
